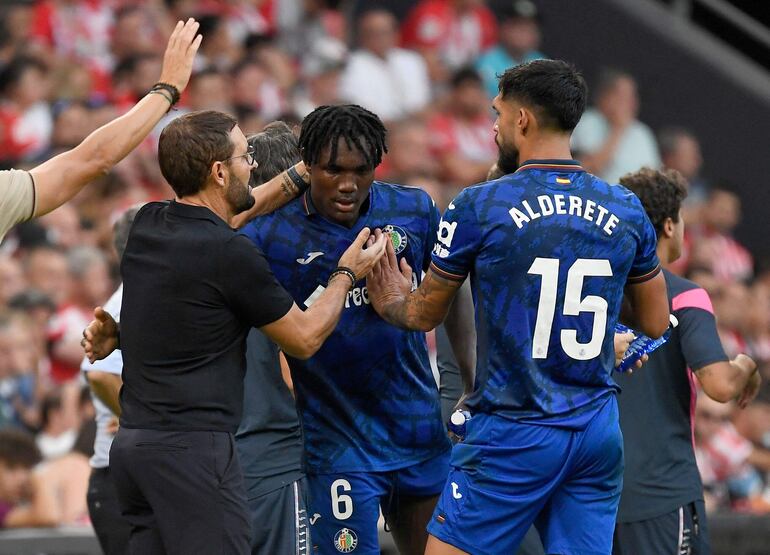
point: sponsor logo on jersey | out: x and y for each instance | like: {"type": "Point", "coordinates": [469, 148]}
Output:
{"type": "Point", "coordinates": [345, 540]}
{"type": "Point", "coordinates": [397, 237]}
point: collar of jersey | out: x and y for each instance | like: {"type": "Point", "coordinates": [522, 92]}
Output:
{"type": "Point", "coordinates": [553, 165]}
{"type": "Point", "coordinates": [194, 211]}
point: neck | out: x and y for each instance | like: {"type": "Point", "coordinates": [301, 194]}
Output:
{"type": "Point", "coordinates": [207, 198]}
{"type": "Point", "coordinates": [550, 147]}
{"type": "Point", "coordinates": [664, 254]}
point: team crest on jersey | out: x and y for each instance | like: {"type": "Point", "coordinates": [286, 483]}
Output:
{"type": "Point", "coordinates": [345, 540]}
{"type": "Point", "coordinates": [397, 237]}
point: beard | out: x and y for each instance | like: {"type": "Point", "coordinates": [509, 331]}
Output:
{"type": "Point", "coordinates": [507, 158]}
{"type": "Point", "coordinates": [238, 195]}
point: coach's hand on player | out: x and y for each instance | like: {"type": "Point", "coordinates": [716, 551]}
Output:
{"type": "Point", "coordinates": [364, 253]}
{"type": "Point", "coordinates": [180, 53]}
{"type": "Point", "coordinates": [100, 338]}
{"type": "Point", "coordinates": [389, 281]}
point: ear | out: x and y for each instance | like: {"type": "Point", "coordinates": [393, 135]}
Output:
{"type": "Point", "coordinates": [668, 228]}
{"type": "Point", "coordinates": [524, 120]}
{"type": "Point", "coordinates": [218, 173]}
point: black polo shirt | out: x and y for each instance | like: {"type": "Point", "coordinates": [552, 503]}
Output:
{"type": "Point", "coordinates": [192, 289]}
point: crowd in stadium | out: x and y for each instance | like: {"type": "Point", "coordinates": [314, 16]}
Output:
{"type": "Point", "coordinates": [69, 66]}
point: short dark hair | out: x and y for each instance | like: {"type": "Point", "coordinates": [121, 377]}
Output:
{"type": "Point", "coordinates": [17, 448]}
{"type": "Point", "coordinates": [661, 193]}
{"type": "Point", "coordinates": [121, 229]}
{"type": "Point", "coordinates": [359, 127]}
{"type": "Point", "coordinates": [553, 88]}
{"type": "Point", "coordinates": [275, 149]}
{"type": "Point", "coordinates": [190, 144]}
{"type": "Point", "coordinates": [12, 72]}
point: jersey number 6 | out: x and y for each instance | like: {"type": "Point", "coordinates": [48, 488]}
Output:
{"type": "Point", "coordinates": [574, 305]}
{"type": "Point", "coordinates": [342, 505]}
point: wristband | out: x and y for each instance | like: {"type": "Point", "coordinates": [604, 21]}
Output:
{"type": "Point", "coordinates": [300, 183]}
{"type": "Point", "coordinates": [344, 271]}
{"type": "Point", "coordinates": [172, 90]}
{"type": "Point", "coordinates": [164, 94]}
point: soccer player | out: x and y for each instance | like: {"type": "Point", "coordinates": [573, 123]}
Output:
{"type": "Point", "coordinates": [550, 250]}
{"type": "Point", "coordinates": [367, 400]}
{"type": "Point", "coordinates": [661, 507]}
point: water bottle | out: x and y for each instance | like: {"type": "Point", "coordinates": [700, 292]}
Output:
{"type": "Point", "coordinates": [642, 345]}
{"type": "Point", "coordinates": [457, 423]}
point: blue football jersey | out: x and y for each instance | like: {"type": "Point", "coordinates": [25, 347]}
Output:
{"type": "Point", "coordinates": [549, 250]}
{"type": "Point", "coordinates": [367, 399]}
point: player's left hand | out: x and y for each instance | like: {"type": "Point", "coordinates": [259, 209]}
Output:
{"type": "Point", "coordinates": [389, 281]}
{"type": "Point", "coordinates": [622, 342]}
{"type": "Point", "coordinates": [752, 386]}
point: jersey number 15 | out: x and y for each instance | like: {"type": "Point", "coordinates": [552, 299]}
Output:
{"type": "Point", "coordinates": [574, 305]}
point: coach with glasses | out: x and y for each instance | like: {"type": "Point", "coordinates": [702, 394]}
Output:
{"type": "Point", "coordinates": [192, 290]}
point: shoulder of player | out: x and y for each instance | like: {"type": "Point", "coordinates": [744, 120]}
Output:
{"type": "Point", "coordinates": [403, 194]}
{"type": "Point", "coordinates": [684, 293]}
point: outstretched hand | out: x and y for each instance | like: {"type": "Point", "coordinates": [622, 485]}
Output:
{"type": "Point", "coordinates": [100, 338]}
{"type": "Point", "coordinates": [389, 281]}
{"type": "Point", "coordinates": [178, 59]}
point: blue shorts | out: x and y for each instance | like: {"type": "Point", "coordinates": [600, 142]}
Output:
{"type": "Point", "coordinates": [507, 475]}
{"type": "Point", "coordinates": [345, 507]}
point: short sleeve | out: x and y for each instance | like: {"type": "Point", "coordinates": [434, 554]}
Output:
{"type": "Point", "coordinates": [646, 264]}
{"type": "Point", "coordinates": [458, 239]}
{"type": "Point", "coordinates": [250, 287]}
{"type": "Point", "coordinates": [17, 198]}
{"type": "Point", "coordinates": [432, 231]}
{"type": "Point", "coordinates": [698, 334]}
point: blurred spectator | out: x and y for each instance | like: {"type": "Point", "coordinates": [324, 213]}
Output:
{"type": "Point", "coordinates": [318, 20]}
{"type": "Point", "coordinates": [18, 373]}
{"type": "Point", "coordinates": [449, 33]}
{"type": "Point", "coordinates": [134, 33]}
{"type": "Point", "coordinates": [46, 270]}
{"type": "Point", "coordinates": [15, 26]}
{"type": "Point", "coordinates": [462, 137]}
{"type": "Point", "coordinates": [321, 74]}
{"type": "Point", "coordinates": [25, 117]}
{"type": "Point", "coordinates": [519, 42]}
{"type": "Point", "coordinates": [133, 76]}
{"type": "Point", "coordinates": [609, 140]}
{"type": "Point", "coordinates": [731, 302]}
{"type": "Point", "coordinates": [409, 153]}
{"type": "Point", "coordinates": [727, 460]}
{"type": "Point", "coordinates": [390, 81]}
{"type": "Point", "coordinates": [680, 150]}
{"type": "Point", "coordinates": [713, 245]}
{"type": "Point", "coordinates": [90, 287]}
{"type": "Point", "coordinates": [757, 325]}
{"type": "Point", "coordinates": [12, 281]}
{"type": "Point", "coordinates": [63, 227]}
{"type": "Point", "coordinates": [22, 499]}
{"type": "Point", "coordinates": [59, 422]}
{"type": "Point", "coordinates": [210, 90]}
{"type": "Point", "coordinates": [753, 422]}
{"type": "Point", "coordinates": [218, 50]}
{"type": "Point", "coordinates": [253, 88]}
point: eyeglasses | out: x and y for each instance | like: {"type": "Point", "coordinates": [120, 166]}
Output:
{"type": "Point", "coordinates": [252, 161]}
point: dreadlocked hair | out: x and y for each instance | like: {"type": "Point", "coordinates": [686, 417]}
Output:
{"type": "Point", "coordinates": [326, 125]}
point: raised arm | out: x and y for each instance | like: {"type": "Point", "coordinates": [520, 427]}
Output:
{"type": "Point", "coordinates": [275, 193]}
{"type": "Point", "coordinates": [62, 177]}
{"type": "Point", "coordinates": [389, 289]}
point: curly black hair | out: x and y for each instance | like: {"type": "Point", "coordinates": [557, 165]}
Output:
{"type": "Point", "coordinates": [661, 193]}
{"type": "Point", "coordinates": [326, 125]}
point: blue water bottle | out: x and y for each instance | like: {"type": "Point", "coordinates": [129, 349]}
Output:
{"type": "Point", "coordinates": [641, 345]}
{"type": "Point", "coordinates": [457, 423]}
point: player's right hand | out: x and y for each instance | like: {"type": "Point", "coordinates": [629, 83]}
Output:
{"type": "Point", "coordinates": [361, 260]}
{"type": "Point", "coordinates": [180, 53]}
{"type": "Point", "coordinates": [100, 338]}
